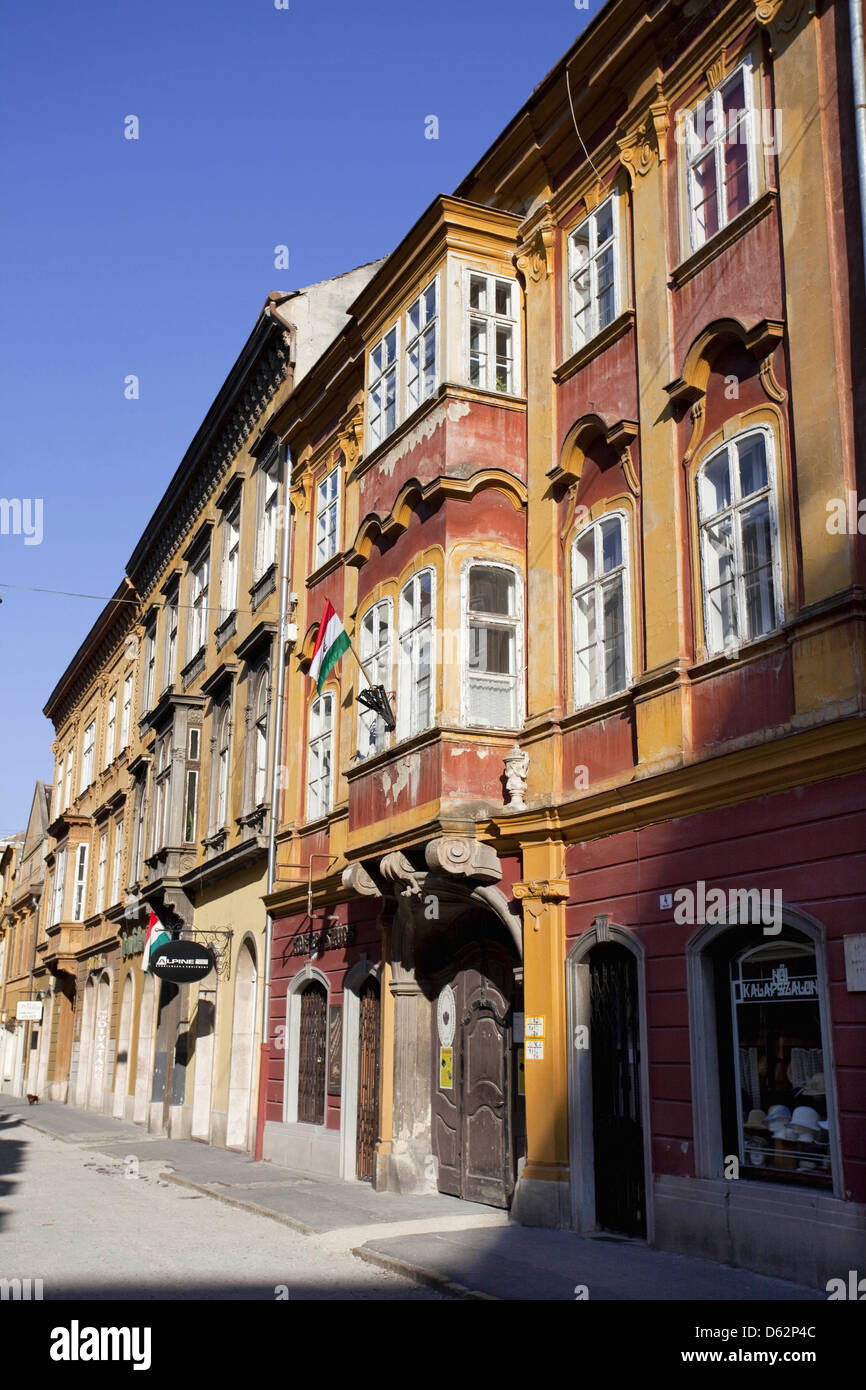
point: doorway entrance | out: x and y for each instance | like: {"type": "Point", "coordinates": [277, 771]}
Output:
{"type": "Point", "coordinates": [368, 1081]}
{"type": "Point", "coordinates": [474, 1077]}
{"type": "Point", "coordinates": [617, 1122]}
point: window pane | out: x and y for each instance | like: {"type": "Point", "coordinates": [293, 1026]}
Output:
{"type": "Point", "coordinates": [430, 302]}
{"type": "Point", "coordinates": [503, 358]}
{"type": "Point", "coordinates": [604, 224]}
{"type": "Point", "coordinates": [719, 559]}
{"type": "Point", "coordinates": [753, 464]}
{"type": "Point", "coordinates": [390, 401]}
{"type": "Point", "coordinates": [478, 293]}
{"type": "Point", "coordinates": [611, 545]}
{"type": "Point", "coordinates": [584, 558]}
{"type": "Point", "coordinates": [716, 485]}
{"type": "Point", "coordinates": [492, 702]}
{"type": "Point", "coordinates": [758, 570]}
{"type": "Point", "coordinates": [413, 316]}
{"type": "Point", "coordinates": [477, 352]}
{"type": "Point", "coordinates": [614, 637]}
{"type": "Point", "coordinates": [425, 596]}
{"type": "Point", "coordinates": [503, 298]}
{"type": "Point", "coordinates": [606, 289]}
{"type": "Point", "coordinates": [490, 590]}
{"type": "Point", "coordinates": [429, 362]}
{"type": "Point", "coordinates": [705, 201]}
{"type": "Point", "coordinates": [390, 347]}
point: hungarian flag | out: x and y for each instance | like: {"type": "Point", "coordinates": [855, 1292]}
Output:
{"type": "Point", "coordinates": [331, 642]}
{"type": "Point", "coordinates": [156, 936]}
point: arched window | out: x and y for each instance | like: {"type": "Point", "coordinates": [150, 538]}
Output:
{"type": "Point", "coordinates": [492, 647]}
{"type": "Point", "coordinates": [739, 530]}
{"type": "Point", "coordinates": [376, 627]}
{"type": "Point", "coordinates": [260, 779]}
{"type": "Point", "coordinates": [223, 766]}
{"type": "Point", "coordinates": [320, 752]}
{"type": "Point", "coordinates": [601, 610]}
{"type": "Point", "coordinates": [416, 696]}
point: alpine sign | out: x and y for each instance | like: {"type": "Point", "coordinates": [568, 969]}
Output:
{"type": "Point", "coordinates": [182, 962]}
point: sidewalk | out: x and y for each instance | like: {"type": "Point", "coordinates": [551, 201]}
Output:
{"type": "Point", "coordinates": [461, 1247]}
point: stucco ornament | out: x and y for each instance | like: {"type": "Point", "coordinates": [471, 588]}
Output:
{"type": "Point", "coordinates": [356, 879]}
{"type": "Point", "coordinates": [516, 773]}
{"type": "Point", "coordinates": [457, 854]}
{"type": "Point", "coordinates": [396, 868]}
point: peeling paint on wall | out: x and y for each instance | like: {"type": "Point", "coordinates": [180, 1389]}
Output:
{"type": "Point", "coordinates": [452, 412]}
{"type": "Point", "coordinates": [408, 771]}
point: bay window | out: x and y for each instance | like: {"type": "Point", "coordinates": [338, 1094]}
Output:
{"type": "Point", "coordinates": [79, 895]}
{"type": "Point", "coordinates": [492, 333]}
{"type": "Point", "coordinates": [375, 652]}
{"type": "Point", "coordinates": [416, 636]}
{"type": "Point", "coordinates": [59, 885]}
{"type": "Point", "coordinates": [492, 669]}
{"type": "Point", "coordinates": [421, 344]}
{"type": "Point", "coordinates": [382, 388]}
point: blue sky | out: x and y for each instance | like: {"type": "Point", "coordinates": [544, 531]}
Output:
{"type": "Point", "coordinates": [258, 127]}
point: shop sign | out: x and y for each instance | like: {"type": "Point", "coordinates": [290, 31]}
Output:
{"type": "Point", "coordinates": [182, 962]}
{"type": "Point", "coordinates": [328, 939]}
{"type": "Point", "coordinates": [132, 943]}
{"type": "Point", "coordinates": [29, 1010]}
{"type": "Point", "coordinates": [780, 985]}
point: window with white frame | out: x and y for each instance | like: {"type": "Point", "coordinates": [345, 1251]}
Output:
{"type": "Point", "coordinates": [416, 636]}
{"type": "Point", "coordinates": [739, 542]}
{"type": "Point", "coordinates": [223, 770]}
{"type": "Point", "coordinates": [593, 273]}
{"type": "Point", "coordinates": [492, 333]}
{"type": "Point", "coordinates": [267, 516]}
{"type": "Point", "coordinates": [58, 787]}
{"type": "Point", "coordinates": [492, 668]}
{"type": "Point", "coordinates": [382, 388]}
{"type": "Point", "coordinates": [126, 714]}
{"type": "Point", "coordinates": [720, 148]}
{"type": "Point", "coordinates": [79, 895]}
{"type": "Point", "coordinates": [59, 884]}
{"type": "Point", "coordinates": [260, 737]}
{"type": "Point", "coordinates": [190, 809]}
{"type": "Point", "coordinates": [147, 685]}
{"type": "Point", "coordinates": [327, 517]}
{"type": "Point", "coordinates": [111, 729]}
{"type": "Point", "coordinates": [87, 756]}
{"type": "Point", "coordinates": [422, 320]}
{"type": "Point", "coordinates": [117, 861]}
{"type": "Point", "coordinates": [67, 792]}
{"type": "Point", "coordinates": [231, 549]}
{"type": "Point", "coordinates": [162, 788]}
{"type": "Point", "coordinates": [376, 654]}
{"type": "Point", "coordinates": [600, 606]}
{"type": "Point", "coordinates": [101, 866]}
{"type": "Point", "coordinates": [140, 815]}
{"type": "Point", "coordinates": [198, 599]}
{"type": "Point", "coordinates": [320, 753]}
{"type": "Point", "coordinates": [171, 623]}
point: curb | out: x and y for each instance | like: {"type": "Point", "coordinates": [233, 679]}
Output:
{"type": "Point", "coordinates": [238, 1202]}
{"type": "Point", "coordinates": [421, 1276]}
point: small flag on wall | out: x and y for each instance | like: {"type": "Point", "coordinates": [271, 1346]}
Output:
{"type": "Point", "coordinates": [332, 641]}
{"type": "Point", "coordinates": [156, 936]}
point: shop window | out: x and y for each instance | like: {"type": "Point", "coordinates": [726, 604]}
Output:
{"type": "Point", "coordinates": [772, 1062]}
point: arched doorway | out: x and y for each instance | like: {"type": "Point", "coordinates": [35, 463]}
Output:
{"type": "Point", "coordinates": [607, 1082]}
{"type": "Point", "coordinates": [478, 1124]}
{"type": "Point", "coordinates": [368, 1080]}
{"type": "Point", "coordinates": [144, 1055]}
{"type": "Point", "coordinates": [124, 1038]}
{"type": "Point", "coordinates": [243, 1051]}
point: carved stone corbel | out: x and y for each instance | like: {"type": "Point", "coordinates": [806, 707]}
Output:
{"type": "Point", "coordinates": [395, 868]}
{"type": "Point", "coordinates": [355, 879]}
{"type": "Point", "coordinates": [458, 854]}
{"type": "Point", "coordinates": [642, 147]}
{"type": "Point", "coordinates": [299, 496]}
{"type": "Point", "coordinates": [782, 16]}
{"type": "Point", "coordinates": [351, 435]}
{"type": "Point", "coordinates": [536, 895]}
{"type": "Point", "coordinates": [535, 255]}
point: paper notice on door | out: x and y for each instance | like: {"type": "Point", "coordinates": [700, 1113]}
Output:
{"type": "Point", "coordinates": [446, 1068]}
{"type": "Point", "coordinates": [534, 1026]}
{"type": "Point", "coordinates": [534, 1051]}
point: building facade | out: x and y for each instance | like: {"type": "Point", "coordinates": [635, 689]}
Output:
{"type": "Point", "coordinates": [580, 935]}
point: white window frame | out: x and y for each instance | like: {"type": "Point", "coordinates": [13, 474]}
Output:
{"type": "Point", "coordinates": [137, 861]}
{"type": "Point", "coordinates": [230, 570]}
{"type": "Point", "coordinates": [199, 598]}
{"type": "Point", "coordinates": [583, 697]}
{"type": "Point", "coordinates": [58, 785]}
{"type": "Point", "coordinates": [67, 791]}
{"type": "Point", "coordinates": [261, 733]}
{"type": "Point", "coordinates": [514, 622]}
{"type": "Point", "coordinates": [267, 503]}
{"type": "Point", "coordinates": [493, 319]}
{"type": "Point", "coordinates": [117, 861]}
{"type": "Point", "coordinates": [190, 803]}
{"type": "Point", "coordinates": [380, 659]}
{"type": "Point", "coordinates": [101, 868]}
{"type": "Point", "coordinates": [126, 714]}
{"type": "Point", "coordinates": [695, 154]}
{"type": "Point", "coordinates": [376, 377]}
{"type": "Point", "coordinates": [591, 222]}
{"type": "Point", "coordinates": [223, 767]}
{"type": "Point", "coordinates": [172, 613]}
{"type": "Point", "coordinates": [79, 894]}
{"type": "Point", "coordinates": [111, 729]}
{"type": "Point", "coordinates": [148, 680]}
{"type": "Point", "coordinates": [162, 793]}
{"type": "Point", "coordinates": [318, 805]}
{"type": "Point", "coordinates": [737, 507]}
{"type": "Point", "coordinates": [327, 507]}
{"type": "Point", "coordinates": [408, 642]}
{"type": "Point", "coordinates": [87, 747]}
{"type": "Point", "coordinates": [59, 885]}
{"type": "Point", "coordinates": [416, 336]}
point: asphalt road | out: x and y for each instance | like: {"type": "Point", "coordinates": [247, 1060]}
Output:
{"type": "Point", "coordinates": [70, 1217]}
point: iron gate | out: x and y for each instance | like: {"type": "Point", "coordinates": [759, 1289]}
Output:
{"type": "Point", "coordinates": [368, 1081]}
{"type": "Point", "coordinates": [312, 1055]}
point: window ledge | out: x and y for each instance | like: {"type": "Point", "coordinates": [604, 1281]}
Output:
{"type": "Point", "coordinates": [611, 705]}
{"type": "Point", "coordinates": [723, 238]}
{"type": "Point", "coordinates": [193, 668]}
{"type": "Point", "coordinates": [226, 628]}
{"type": "Point", "coordinates": [753, 650]}
{"type": "Point", "coordinates": [325, 569]}
{"type": "Point", "coordinates": [621, 325]}
{"type": "Point", "coordinates": [264, 585]}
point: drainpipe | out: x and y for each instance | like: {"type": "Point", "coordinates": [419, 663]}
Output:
{"type": "Point", "coordinates": [279, 701]}
{"type": "Point", "coordinates": [855, 15]}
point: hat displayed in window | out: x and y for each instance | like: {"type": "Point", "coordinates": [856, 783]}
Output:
{"type": "Point", "coordinates": [806, 1123]}
{"type": "Point", "coordinates": [757, 1120]}
{"type": "Point", "coordinates": [778, 1117]}
{"type": "Point", "coordinates": [814, 1086]}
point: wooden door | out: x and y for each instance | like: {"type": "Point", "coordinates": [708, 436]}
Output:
{"type": "Point", "coordinates": [472, 1116]}
{"type": "Point", "coordinates": [312, 1059]}
{"type": "Point", "coordinates": [368, 1082]}
{"type": "Point", "coordinates": [617, 1123]}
